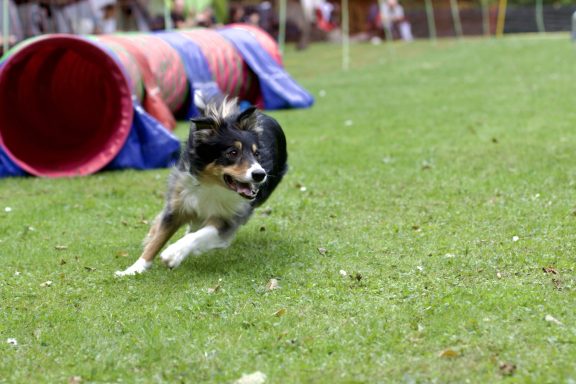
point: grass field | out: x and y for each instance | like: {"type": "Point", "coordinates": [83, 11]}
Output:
{"type": "Point", "coordinates": [441, 178]}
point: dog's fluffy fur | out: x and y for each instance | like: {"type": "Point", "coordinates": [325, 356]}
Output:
{"type": "Point", "coordinates": [230, 165]}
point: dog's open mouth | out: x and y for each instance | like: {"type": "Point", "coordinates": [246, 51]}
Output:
{"type": "Point", "coordinates": [246, 190]}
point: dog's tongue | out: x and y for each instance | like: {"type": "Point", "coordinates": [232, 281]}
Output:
{"type": "Point", "coordinates": [244, 189]}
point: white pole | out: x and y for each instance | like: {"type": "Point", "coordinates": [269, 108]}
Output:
{"type": "Point", "coordinates": [167, 19]}
{"type": "Point", "coordinates": [282, 26]}
{"type": "Point", "coordinates": [5, 26]}
{"type": "Point", "coordinates": [345, 36]}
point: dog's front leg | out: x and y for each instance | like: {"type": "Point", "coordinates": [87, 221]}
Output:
{"type": "Point", "coordinates": [215, 234]}
{"type": "Point", "coordinates": [164, 226]}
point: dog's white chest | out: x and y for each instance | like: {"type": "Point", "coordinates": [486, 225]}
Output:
{"type": "Point", "coordinates": [212, 201]}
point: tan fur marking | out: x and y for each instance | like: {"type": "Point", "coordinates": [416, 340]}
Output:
{"type": "Point", "coordinates": [238, 145]}
{"type": "Point", "coordinates": [157, 237]}
{"type": "Point", "coordinates": [212, 174]}
{"type": "Point", "coordinates": [238, 171]}
{"type": "Point", "coordinates": [161, 231]}
{"type": "Point", "coordinates": [254, 148]}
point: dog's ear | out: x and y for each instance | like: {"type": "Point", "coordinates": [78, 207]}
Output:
{"type": "Point", "coordinates": [202, 123]}
{"type": "Point", "coordinates": [201, 128]}
{"type": "Point", "coordinates": [245, 114]}
{"type": "Point", "coordinates": [246, 120]}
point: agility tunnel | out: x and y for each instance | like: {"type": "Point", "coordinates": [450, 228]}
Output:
{"type": "Point", "coordinates": [72, 105]}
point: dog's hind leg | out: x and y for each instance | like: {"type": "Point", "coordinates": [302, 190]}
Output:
{"type": "Point", "coordinates": [216, 234]}
{"type": "Point", "coordinates": [161, 231]}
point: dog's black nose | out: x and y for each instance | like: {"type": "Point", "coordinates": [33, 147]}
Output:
{"type": "Point", "coordinates": [258, 175]}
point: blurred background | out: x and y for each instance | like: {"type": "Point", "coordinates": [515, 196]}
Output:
{"type": "Point", "coordinates": [305, 20]}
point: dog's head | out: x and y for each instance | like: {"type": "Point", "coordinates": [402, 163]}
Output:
{"type": "Point", "coordinates": [223, 149]}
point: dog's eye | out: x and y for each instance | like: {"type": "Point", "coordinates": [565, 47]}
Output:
{"type": "Point", "coordinates": [232, 154]}
{"type": "Point", "coordinates": [257, 153]}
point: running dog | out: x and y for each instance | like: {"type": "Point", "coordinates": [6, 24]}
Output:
{"type": "Point", "coordinates": [232, 162]}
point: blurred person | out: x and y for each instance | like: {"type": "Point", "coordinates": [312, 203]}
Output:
{"type": "Point", "coordinates": [156, 17]}
{"type": "Point", "coordinates": [326, 9]}
{"type": "Point", "coordinates": [394, 22]}
{"type": "Point", "coordinates": [108, 23]}
{"type": "Point", "coordinates": [206, 18]}
{"type": "Point", "coordinates": [324, 15]}
{"type": "Point", "coordinates": [266, 12]}
{"type": "Point", "coordinates": [181, 18]}
{"type": "Point", "coordinates": [251, 16]}
{"type": "Point", "coordinates": [299, 22]}
{"type": "Point", "coordinates": [133, 15]}
{"type": "Point", "coordinates": [236, 14]}
{"type": "Point", "coordinates": [15, 32]}
{"type": "Point", "coordinates": [374, 20]}
{"type": "Point", "coordinates": [79, 17]}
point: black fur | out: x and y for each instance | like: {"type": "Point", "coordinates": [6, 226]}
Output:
{"type": "Point", "coordinates": [273, 155]}
{"type": "Point", "coordinates": [210, 137]}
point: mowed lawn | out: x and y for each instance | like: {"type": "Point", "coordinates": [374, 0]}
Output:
{"type": "Point", "coordinates": [424, 233]}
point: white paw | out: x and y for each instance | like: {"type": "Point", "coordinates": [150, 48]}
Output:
{"type": "Point", "coordinates": [175, 254]}
{"type": "Point", "coordinates": [140, 266]}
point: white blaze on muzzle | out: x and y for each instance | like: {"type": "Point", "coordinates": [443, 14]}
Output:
{"type": "Point", "coordinates": [256, 174]}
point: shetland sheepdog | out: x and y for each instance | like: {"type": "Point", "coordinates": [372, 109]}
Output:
{"type": "Point", "coordinates": [231, 163]}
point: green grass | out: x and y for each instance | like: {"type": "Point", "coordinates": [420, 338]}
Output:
{"type": "Point", "coordinates": [421, 165]}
